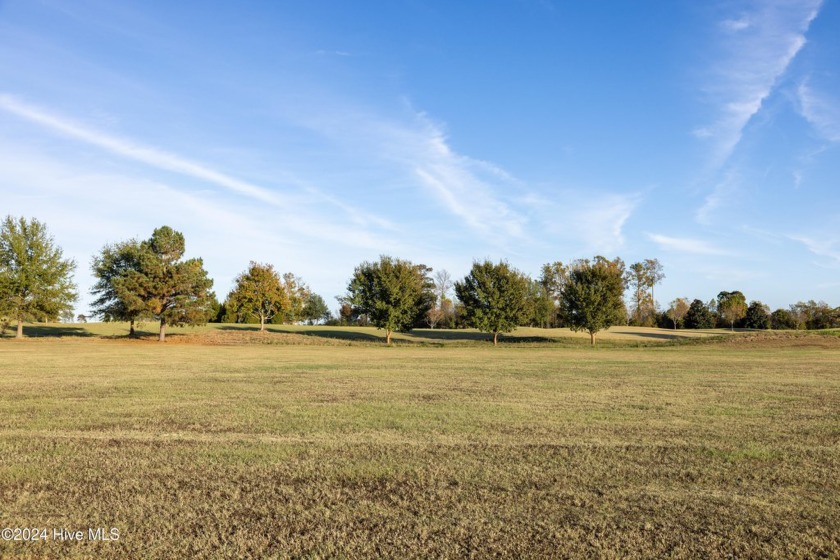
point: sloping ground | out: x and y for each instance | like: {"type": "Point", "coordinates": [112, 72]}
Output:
{"type": "Point", "coordinates": [781, 339]}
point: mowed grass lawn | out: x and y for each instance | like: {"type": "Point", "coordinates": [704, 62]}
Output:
{"type": "Point", "coordinates": [248, 449]}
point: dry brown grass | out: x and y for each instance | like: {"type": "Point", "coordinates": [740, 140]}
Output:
{"type": "Point", "coordinates": [293, 449]}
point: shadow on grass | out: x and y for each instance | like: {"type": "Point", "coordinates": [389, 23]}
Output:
{"type": "Point", "coordinates": [450, 334]}
{"type": "Point", "coordinates": [36, 331]}
{"type": "Point", "coordinates": [341, 333]}
{"type": "Point", "coordinates": [139, 335]}
{"type": "Point", "coordinates": [657, 336]}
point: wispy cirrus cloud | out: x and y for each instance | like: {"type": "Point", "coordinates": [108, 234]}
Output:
{"type": "Point", "coordinates": [758, 46]}
{"type": "Point", "coordinates": [416, 149]}
{"type": "Point", "coordinates": [594, 221]}
{"type": "Point", "coordinates": [168, 161]}
{"type": "Point", "coordinates": [824, 247]}
{"type": "Point", "coordinates": [820, 110]}
{"type": "Point", "coordinates": [148, 155]}
{"type": "Point", "coordinates": [686, 245]}
{"type": "Point", "coordinates": [724, 190]}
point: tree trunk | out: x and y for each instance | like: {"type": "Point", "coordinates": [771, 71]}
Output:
{"type": "Point", "coordinates": [592, 339]}
{"type": "Point", "coordinates": [20, 329]}
{"type": "Point", "coordinates": [262, 323]}
{"type": "Point", "coordinates": [388, 337]}
{"type": "Point", "coordinates": [131, 328]}
{"type": "Point", "coordinates": [495, 339]}
{"type": "Point", "coordinates": [162, 335]}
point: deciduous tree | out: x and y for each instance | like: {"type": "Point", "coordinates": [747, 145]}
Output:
{"type": "Point", "coordinates": [731, 307]}
{"type": "Point", "coordinates": [438, 312]}
{"type": "Point", "coordinates": [315, 309]}
{"type": "Point", "coordinates": [593, 297]}
{"type": "Point", "coordinates": [699, 316]}
{"type": "Point", "coordinates": [781, 319]}
{"type": "Point", "coordinates": [259, 292]}
{"type": "Point", "coordinates": [493, 296]}
{"type": "Point", "coordinates": [757, 316]}
{"type": "Point", "coordinates": [297, 293]}
{"type": "Point", "coordinates": [677, 311]}
{"type": "Point", "coordinates": [112, 303]}
{"type": "Point", "coordinates": [394, 294]}
{"type": "Point", "coordinates": [35, 279]}
{"type": "Point", "coordinates": [641, 278]}
{"type": "Point", "coordinates": [553, 277]}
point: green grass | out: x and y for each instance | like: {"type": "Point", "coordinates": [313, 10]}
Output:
{"type": "Point", "coordinates": [302, 445]}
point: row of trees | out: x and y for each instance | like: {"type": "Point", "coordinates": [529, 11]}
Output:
{"type": "Point", "coordinates": [145, 280]}
{"type": "Point", "coordinates": [730, 310]}
{"type": "Point", "coordinates": [139, 280]}
{"type": "Point", "coordinates": [398, 295]}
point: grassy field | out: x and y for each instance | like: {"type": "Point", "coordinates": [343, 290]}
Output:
{"type": "Point", "coordinates": [228, 443]}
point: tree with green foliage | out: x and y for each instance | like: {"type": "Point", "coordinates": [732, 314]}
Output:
{"type": "Point", "coordinates": [393, 294]}
{"type": "Point", "coordinates": [815, 315]}
{"type": "Point", "coordinates": [111, 263]}
{"type": "Point", "coordinates": [35, 280]}
{"type": "Point", "coordinates": [593, 297]}
{"type": "Point", "coordinates": [540, 308]}
{"type": "Point", "coordinates": [641, 278]}
{"type": "Point", "coordinates": [781, 319]}
{"type": "Point", "coordinates": [494, 297]}
{"type": "Point", "coordinates": [655, 273]}
{"type": "Point", "coordinates": [731, 307]}
{"type": "Point", "coordinates": [757, 316]}
{"type": "Point", "coordinates": [699, 316]}
{"type": "Point", "coordinates": [258, 292]}
{"type": "Point", "coordinates": [171, 290]}
{"type": "Point", "coordinates": [677, 311]}
{"type": "Point", "coordinates": [315, 310]}
{"type": "Point", "coordinates": [641, 305]}
{"type": "Point", "coordinates": [553, 277]}
{"type": "Point", "coordinates": [297, 294]}
{"type": "Point", "coordinates": [440, 310]}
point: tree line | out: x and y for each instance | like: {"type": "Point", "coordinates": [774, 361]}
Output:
{"type": "Point", "coordinates": [149, 280]}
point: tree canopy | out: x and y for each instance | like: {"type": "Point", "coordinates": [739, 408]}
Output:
{"type": "Point", "coordinates": [35, 280]}
{"type": "Point", "coordinates": [394, 294]}
{"type": "Point", "coordinates": [259, 292]}
{"type": "Point", "coordinates": [593, 295]}
{"type": "Point", "coordinates": [677, 311]}
{"type": "Point", "coordinates": [315, 309]}
{"type": "Point", "coordinates": [699, 316]}
{"type": "Point", "coordinates": [757, 316]}
{"type": "Point", "coordinates": [494, 297]}
{"type": "Point", "coordinates": [111, 303]}
{"type": "Point", "coordinates": [731, 307]}
{"type": "Point", "coordinates": [174, 291]}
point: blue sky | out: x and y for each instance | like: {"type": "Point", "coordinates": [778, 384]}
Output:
{"type": "Point", "coordinates": [315, 135]}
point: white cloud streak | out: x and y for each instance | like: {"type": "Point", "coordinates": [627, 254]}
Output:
{"type": "Point", "coordinates": [686, 245]}
{"type": "Point", "coordinates": [821, 111]}
{"type": "Point", "coordinates": [760, 47]}
{"type": "Point", "coordinates": [145, 154]}
{"type": "Point", "coordinates": [722, 193]}
{"type": "Point", "coordinates": [419, 153]}
{"type": "Point", "coordinates": [824, 247]}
